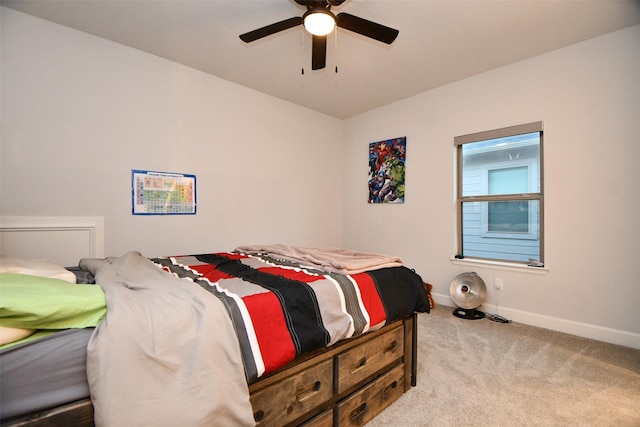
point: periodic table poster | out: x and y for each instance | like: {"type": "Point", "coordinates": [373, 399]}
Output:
{"type": "Point", "coordinates": [163, 193]}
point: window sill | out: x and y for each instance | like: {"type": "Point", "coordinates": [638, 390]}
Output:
{"type": "Point", "coordinates": [500, 265]}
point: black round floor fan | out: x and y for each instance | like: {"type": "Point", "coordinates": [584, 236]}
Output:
{"type": "Point", "coordinates": [468, 292]}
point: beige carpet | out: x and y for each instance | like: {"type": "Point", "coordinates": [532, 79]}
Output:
{"type": "Point", "coordinates": [482, 373]}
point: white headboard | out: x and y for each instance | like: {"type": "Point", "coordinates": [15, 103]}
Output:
{"type": "Point", "coordinates": [62, 240]}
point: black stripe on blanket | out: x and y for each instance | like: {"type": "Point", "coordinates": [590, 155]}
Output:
{"type": "Point", "coordinates": [298, 301]}
{"type": "Point", "coordinates": [388, 281]}
{"type": "Point", "coordinates": [347, 287]}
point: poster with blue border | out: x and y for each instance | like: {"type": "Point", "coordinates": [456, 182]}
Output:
{"type": "Point", "coordinates": [387, 170]}
{"type": "Point", "coordinates": [162, 193]}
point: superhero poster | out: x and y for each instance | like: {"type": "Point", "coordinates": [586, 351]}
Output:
{"type": "Point", "coordinates": [386, 170]}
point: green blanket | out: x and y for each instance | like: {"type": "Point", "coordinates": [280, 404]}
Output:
{"type": "Point", "coordinates": [48, 305]}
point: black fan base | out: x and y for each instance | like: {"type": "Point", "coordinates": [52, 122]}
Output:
{"type": "Point", "coordinates": [471, 314]}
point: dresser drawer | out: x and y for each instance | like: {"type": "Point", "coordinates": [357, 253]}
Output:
{"type": "Point", "coordinates": [325, 419]}
{"type": "Point", "coordinates": [366, 403]}
{"type": "Point", "coordinates": [286, 400]}
{"type": "Point", "coordinates": [357, 364]}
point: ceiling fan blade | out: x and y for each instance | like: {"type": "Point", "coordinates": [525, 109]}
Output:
{"type": "Point", "coordinates": [366, 28]}
{"type": "Point", "coordinates": [271, 29]}
{"type": "Point", "coordinates": [319, 52]}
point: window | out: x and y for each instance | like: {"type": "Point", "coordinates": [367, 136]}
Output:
{"type": "Point", "coordinates": [500, 197]}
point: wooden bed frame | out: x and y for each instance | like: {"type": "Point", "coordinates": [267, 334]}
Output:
{"type": "Point", "coordinates": [343, 385]}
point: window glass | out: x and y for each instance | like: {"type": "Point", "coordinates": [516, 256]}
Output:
{"type": "Point", "coordinates": [508, 216]}
{"type": "Point", "coordinates": [509, 180]}
{"type": "Point", "coordinates": [500, 194]}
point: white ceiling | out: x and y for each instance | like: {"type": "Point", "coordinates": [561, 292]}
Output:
{"type": "Point", "coordinates": [439, 42]}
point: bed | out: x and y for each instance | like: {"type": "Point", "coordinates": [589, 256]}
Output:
{"type": "Point", "coordinates": [288, 343]}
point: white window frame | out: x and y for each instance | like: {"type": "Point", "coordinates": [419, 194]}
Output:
{"type": "Point", "coordinates": [535, 231]}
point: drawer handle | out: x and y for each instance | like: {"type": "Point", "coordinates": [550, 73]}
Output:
{"type": "Point", "coordinates": [361, 363]}
{"type": "Point", "coordinates": [258, 416]}
{"type": "Point", "coordinates": [391, 347]}
{"type": "Point", "coordinates": [357, 413]}
{"type": "Point", "coordinates": [306, 391]}
{"type": "Point", "coordinates": [389, 389]}
{"type": "Point", "coordinates": [302, 393]}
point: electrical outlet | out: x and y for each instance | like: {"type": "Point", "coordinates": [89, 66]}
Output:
{"type": "Point", "coordinates": [498, 283]}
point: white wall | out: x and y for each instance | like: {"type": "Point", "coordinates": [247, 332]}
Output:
{"type": "Point", "coordinates": [588, 96]}
{"type": "Point", "coordinates": [262, 164]}
{"type": "Point", "coordinates": [79, 113]}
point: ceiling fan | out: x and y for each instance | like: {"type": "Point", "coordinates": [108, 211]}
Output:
{"type": "Point", "coordinates": [320, 21]}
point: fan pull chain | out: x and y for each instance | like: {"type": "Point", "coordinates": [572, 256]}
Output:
{"type": "Point", "coordinates": [302, 53]}
{"type": "Point", "coordinates": [335, 50]}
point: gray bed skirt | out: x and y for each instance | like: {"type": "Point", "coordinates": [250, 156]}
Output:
{"type": "Point", "coordinates": [44, 373]}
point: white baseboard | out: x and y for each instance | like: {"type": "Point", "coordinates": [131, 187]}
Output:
{"type": "Point", "coordinates": [585, 330]}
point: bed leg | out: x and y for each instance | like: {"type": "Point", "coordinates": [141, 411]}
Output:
{"type": "Point", "coordinates": [410, 352]}
{"type": "Point", "coordinates": [414, 350]}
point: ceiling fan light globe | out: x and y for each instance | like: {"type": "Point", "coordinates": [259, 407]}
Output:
{"type": "Point", "coordinates": [319, 22]}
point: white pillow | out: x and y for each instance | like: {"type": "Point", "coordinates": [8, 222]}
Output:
{"type": "Point", "coordinates": [35, 267]}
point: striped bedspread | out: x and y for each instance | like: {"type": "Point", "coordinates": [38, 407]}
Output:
{"type": "Point", "coordinates": [281, 309]}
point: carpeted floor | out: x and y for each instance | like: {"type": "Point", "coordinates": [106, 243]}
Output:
{"type": "Point", "coordinates": [482, 373]}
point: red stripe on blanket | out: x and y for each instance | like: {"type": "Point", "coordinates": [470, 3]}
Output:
{"type": "Point", "coordinates": [210, 272]}
{"type": "Point", "coordinates": [370, 298]}
{"type": "Point", "coordinates": [272, 333]}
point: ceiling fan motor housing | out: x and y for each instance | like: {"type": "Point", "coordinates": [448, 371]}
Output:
{"type": "Point", "coordinates": [313, 3]}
